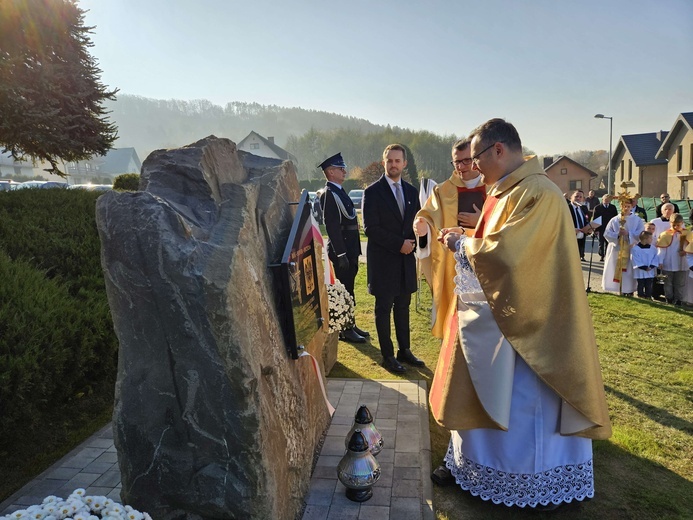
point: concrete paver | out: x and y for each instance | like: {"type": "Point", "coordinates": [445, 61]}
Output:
{"type": "Point", "coordinates": [400, 413]}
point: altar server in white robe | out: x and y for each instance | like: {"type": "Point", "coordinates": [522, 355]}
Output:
{"type": "Point", "coordinates": [633, 225]}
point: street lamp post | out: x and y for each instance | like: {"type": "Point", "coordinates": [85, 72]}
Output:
{"type": "Point", "coordinates": [611, 127]}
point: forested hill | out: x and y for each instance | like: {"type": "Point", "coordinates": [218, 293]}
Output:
{"type": "Point", "coordinates": [149, 124]}
{"type": "Point", "coordinates": [311, 135]}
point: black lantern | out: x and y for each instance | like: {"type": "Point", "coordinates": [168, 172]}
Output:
{"type": "Point", "coordinates": [363, 420]}
{"type": "Point", "coordinates": [358, 470]}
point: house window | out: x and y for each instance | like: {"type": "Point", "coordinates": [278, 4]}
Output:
{"type": "Point", "coordinates": [679, 158]}
{"type": "Point", "coordinates": [630, 170]}
{"type": "Point", "coordinates": [564, 171]}
{"type": "Point", "coordinates": [575, 185]}
{"type": "Point", "coordinates": [691, 156]}
{"type": "Point", "coordinates": [623, 168]}
{"type": "Point", "coordinates": [254, 146]}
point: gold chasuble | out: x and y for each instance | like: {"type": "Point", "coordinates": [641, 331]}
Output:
{"type": "Point", "coordinates": [527, 264]}
{"type": "Point", "coordinates": [440, 211]}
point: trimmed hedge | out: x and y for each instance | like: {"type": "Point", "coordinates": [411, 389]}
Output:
{"type": "Point", "coordinates": [57, 342]}
{"type": "Point", "coordinates": [127, 182]}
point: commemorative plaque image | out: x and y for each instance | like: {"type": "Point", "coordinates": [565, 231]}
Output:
{"type": "Point", "coordinates": [298, 281]}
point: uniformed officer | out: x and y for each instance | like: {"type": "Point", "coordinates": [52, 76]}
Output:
{"type": "Point", "coordinates": [341, 223]}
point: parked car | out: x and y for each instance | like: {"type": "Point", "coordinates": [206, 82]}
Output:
{"type": "Point", "coordinates": [356, 196]}
{"type": "Point", "coordinates": [8, 185]}
{"type": "Point", "coordinates": [91, 187]}
{"type": "Point", "coordinates": [29, 184]}
{"type": "Point", "coordinates": [53, 184]}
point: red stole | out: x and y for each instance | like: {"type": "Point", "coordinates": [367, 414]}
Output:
{"type": "Point", "coordinates": [485, 215]}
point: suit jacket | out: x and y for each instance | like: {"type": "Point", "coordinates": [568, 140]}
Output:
{"type": "Point", "coordinates": [342, 232]}
{"type": "Point", "coordinates": [390, 273]}
{"type": "Point", "coordinates": [585, 215]}
{"type": "Point", "coordinates": [606, 213]}
{"type": "Point", "coordinates": [640, 211]}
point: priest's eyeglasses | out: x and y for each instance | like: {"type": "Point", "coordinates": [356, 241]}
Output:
{"type": "Point", "coordinates": [476, 157]}
{"type": "Point", "coordinates": [466, 162]}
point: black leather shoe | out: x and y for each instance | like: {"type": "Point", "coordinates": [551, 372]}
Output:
{"type": "Point", "coordinates": [361, 332]}
{"type": "Point", "coordinates": [392, 365]}
{"type": "Point", "coordinates": [406, 356]}
{"type": "Point", "coordinates": [441, 476]}
{"type": "Point", "coordinates": [351, 336]}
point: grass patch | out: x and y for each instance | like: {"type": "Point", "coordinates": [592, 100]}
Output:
{"type": "Point", "coordinates": [646, 469]}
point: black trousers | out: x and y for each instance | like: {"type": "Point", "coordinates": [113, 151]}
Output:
{"type": "Point", "coordinates": [602, 244]}
{"type": "Point", "coordinates": [581, 246]}
{"type": "Point", "coordinates": [347, 276]}
{"type": "Point", "coordinates": [398, 306]}
{"type": "Point", "coordinates": [645, 287]}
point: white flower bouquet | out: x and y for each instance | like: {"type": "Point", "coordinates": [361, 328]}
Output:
{"type": "Point", "coordinates": [341, 305]}
{"type": "Point", "coordinates": [78, 506]}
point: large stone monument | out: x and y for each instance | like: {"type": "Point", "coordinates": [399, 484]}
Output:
{"type": "Point", "coordinates": [212, 418]}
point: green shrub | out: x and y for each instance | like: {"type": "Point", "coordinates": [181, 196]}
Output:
{"type": "Point", "coordinates": [127, 182]}
{"type": "Point", "coordinates": [57, 342]}
{"type": "Point", "coordinates": [54, 348]}
{"type": "Point", "coordinates": [56, 231]}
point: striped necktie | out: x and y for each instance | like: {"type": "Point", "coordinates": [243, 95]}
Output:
{"type": "Point", "coordinates": [399, 197]}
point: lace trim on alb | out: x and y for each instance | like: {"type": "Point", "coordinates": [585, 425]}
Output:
{"type": "Point", "coordinates": [554, 486]}
{"type": "Point", "coordinates": [467, 286]}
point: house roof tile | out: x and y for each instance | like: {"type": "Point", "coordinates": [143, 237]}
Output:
{"type": "Point", "coordinates": [642, 147]}
{"type": "Point", "coordinates": [685, 119]}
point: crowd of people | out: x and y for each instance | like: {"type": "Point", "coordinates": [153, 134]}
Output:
{"type": "Point", "coordinates": [637, 252]}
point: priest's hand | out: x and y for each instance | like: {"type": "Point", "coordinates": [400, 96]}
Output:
{"type": "Point", "coordinates": [420, 227]}
{"type": "Point", "coordinates": [469, 219]}
{"type": "Point", "coordinates": [451, 238]}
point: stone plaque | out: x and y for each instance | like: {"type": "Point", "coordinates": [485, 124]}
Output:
{"type": "Point", "coordinates": [298, 279]}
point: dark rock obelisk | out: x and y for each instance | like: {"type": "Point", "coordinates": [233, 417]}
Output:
{"type": "Point", "coordinates": [212, 419]}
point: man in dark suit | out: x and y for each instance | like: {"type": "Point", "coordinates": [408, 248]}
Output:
{"type": "Point", "coordinates": [639, 210]}
{"type": "Point", "coordinates": [389, 207]}
{"type": "Point", "coordinates": [664, 197]}
{"type": "Point", "coordinates": [607, 211]}
{"type": "Point", "coordinates": [581, 219]}
{"type": "Point", "coordinates": [342, 225]}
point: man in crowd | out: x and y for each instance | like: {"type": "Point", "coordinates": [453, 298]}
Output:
{"type": "Point", "coordinates": [518, 379]}
{"type": "Point", "coordinates": [664, 197]}
{"type": "Point", "coordinates": [661, 223]}
{"type": "Point", "coordinates": [606, 211]}
{"type": "Point", "coordinates": [592, 201]}
{"type": "Point", "coordinates": [464, 190]}
{"type": "Point", "coordinates": [389, 207]}
{"type": "Point", "coordinates": [581, 219]}
{"type": "Point", "coordinates": [639, 210]}
{"type": "Point", "coordinates": [342, 225]}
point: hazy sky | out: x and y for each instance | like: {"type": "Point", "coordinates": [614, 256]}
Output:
{"type": "Point", "coordinates": [441, 65]}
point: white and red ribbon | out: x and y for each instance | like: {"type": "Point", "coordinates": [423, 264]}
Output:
{"type": "Point", "coordinates": [316, 368]}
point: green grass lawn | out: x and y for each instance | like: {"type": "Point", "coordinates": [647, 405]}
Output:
{"type": "Point", "coordinates": [646, 349]}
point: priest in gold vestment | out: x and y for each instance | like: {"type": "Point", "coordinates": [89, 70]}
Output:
{"type": "Point", "coordinates": [518, 379]}
{"type": "Point", "coordinates": [440, 211]}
